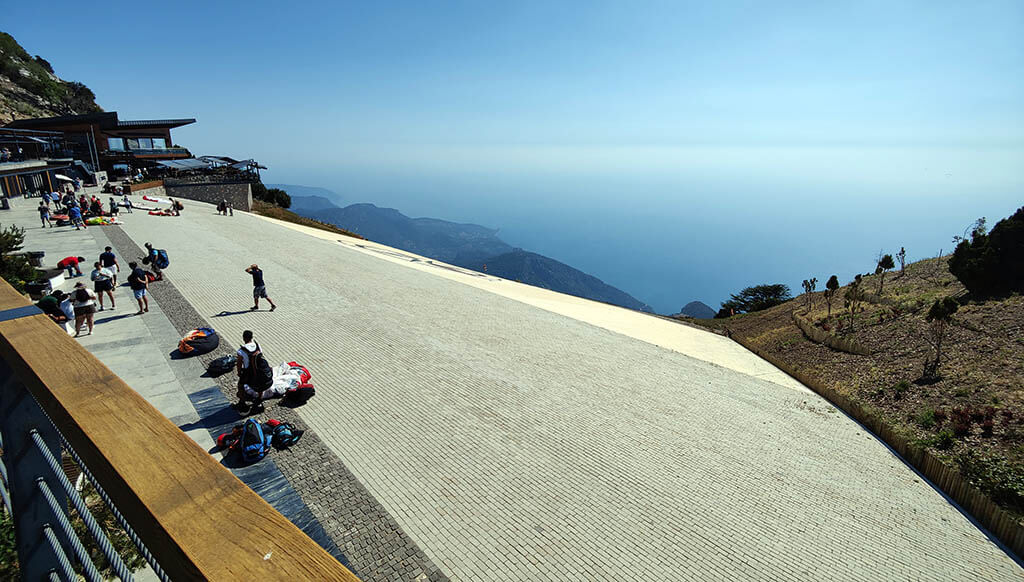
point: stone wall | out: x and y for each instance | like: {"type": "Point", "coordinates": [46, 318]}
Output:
{"type": "Point", "coordinates": [154, 191]}
{"type": "Point", "coordinates": [238, 194]}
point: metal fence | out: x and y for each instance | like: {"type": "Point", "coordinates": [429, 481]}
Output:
{"type": "Point", "coordinates": [37, 492]}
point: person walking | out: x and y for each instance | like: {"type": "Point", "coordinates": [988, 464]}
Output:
{"type": "Point", "coordinates": [245, 363]}
{"type": "Point", "coordinates": [140, 287]}
{"type": "Point", "coordinates": [44, 214]}
{"type": "Point", "coordinates": [71, 264]}
{"type": "Point", "coordinates": [151, 259]}
{"type": "Point", "coordinates": [259, 289]}
{"type": "Point", "coordinates": [109, 261]}
{"type": "Point", "coordinates": [103, 282]}
{"type": "Point", "coordinates": [85, 307]}
{"type": "Point", "coordinates": [127, 203]}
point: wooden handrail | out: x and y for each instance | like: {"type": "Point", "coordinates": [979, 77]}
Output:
{"type": "Point", "coordinates": [198, 520]}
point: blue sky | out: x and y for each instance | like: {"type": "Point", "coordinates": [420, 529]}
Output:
{"type": "Point", "coordinates": [676, 150]}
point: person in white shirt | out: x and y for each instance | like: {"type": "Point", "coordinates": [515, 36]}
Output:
{"type": "Point", "coordinates": [84, 301]}
{"type": "Point", "coordinates": [103, 282]}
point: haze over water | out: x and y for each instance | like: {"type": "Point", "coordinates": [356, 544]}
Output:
{"type": "Point", "coordinates": [678, 151]}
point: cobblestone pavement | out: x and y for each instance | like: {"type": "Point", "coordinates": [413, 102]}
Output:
{"type": "Point", "coordinates": [516, 443]}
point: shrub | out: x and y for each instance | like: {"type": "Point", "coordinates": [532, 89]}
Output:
{"type": "Point", "coordinates": [960, 429]}
{"type": "Point", "coordinates": [945, 439]}
{"type": "Point", "coordinates": [940, 415]}
{"type": "Point", "coordinates": [926, 419]}
{"type": "Point", "coordinates": [900, 388]}
{"type": "Point", "coordinates": [986, 428]}
{"type": "Point", "coordinates": [994, 262]}
{"type": "Point", "coordinates": [15, 269]}
{"type": "Point", "coordinates": [996, 476]}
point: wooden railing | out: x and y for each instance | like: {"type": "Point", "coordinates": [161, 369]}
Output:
{"type": "Point", "coordinates": [196, 518]}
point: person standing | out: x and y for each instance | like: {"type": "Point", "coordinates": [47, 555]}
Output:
{"type": "Point", "coordinates": [103, 282]}
{"type": "Point", "coordinates": [152, 258]}
{"type": "Point", "coordinates": [259, 289]}
{"type": "Point", "coordinates": [71, 264]}
{"type": "Point", "coordinates": [127, 204]}
{"type": "Point", "coordinates": [140, 287]}
{"type": "Point", "coordinates": [44, 213]}
{"type": "Point", "coordinates": [245, 362]}
{"type": "Point", "coordinates": [113, 206]}
{"type": "Point", "coordinates": [75, 215]}
{"type": "Point", "coordinates": [85, 307]}
{"type": "Point", "coordinates": [109, 261]}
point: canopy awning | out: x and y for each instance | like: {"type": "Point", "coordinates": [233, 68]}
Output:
{"type": "Point", "coordinates": [188, 164]}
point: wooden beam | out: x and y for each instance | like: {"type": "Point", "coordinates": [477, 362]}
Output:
{"type": "Point", "coordinates": [198, 520]}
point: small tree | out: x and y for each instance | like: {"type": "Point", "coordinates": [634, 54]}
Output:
{"type": "Point", "coordinates": [831, 286]}
{"type": "Point", "coordinates": [15, 269]}
{"type": "Point", "coordinates": [902, 258]}
{"type": "Point", "coordinates": [758, 297]}
{"type": "Point", "coordinates": [853, 297]}
{"type": "Point", "coordinates": [884, 264]}
{"type": "Point", "coordinates": [938, 318]}
{"type": "Point", "coordinates": [809, 285]}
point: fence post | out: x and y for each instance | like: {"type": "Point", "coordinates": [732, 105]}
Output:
{"type": "Point", "coordinates": [19, 414]}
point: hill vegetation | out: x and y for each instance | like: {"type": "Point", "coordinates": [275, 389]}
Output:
{"type": "Point", "coordinates": [30, 88]}
{"type": "Point", "coordinates": [939, 360]}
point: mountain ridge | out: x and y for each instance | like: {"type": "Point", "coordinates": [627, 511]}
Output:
{"type": "Point", "coordinates": [468, 245]}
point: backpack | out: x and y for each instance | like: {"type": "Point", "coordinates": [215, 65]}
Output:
{"type": "Point", "coordinates": [259, 376]}
{"type": "Point", "coordinates": [221, 366]}
{"type": "Point", "coordinates": [81, 295]}
{"type": "Point", "coordinates": [162, 261]}
{"type": "Point", "coordinates": [285, 435]}
{"type": "Point", "coordinates": [254, 443]}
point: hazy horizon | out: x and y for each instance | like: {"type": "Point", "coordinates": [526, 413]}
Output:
{"type": "Point", "coordinates": [677, 151]}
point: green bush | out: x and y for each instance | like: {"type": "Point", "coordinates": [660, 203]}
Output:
{"type": "Point", "coordinates": [8, 548]}
{"type": "Point", "coordinates": [945, 439]}
{"type": "Point", "coordinates": [994, 475]}
{"type": "Point", "coordinates": [15, 269]}
{"type": "Point", "coordinates": [926, 419]}
{"type": "Point", "coordinates": [992, 263]}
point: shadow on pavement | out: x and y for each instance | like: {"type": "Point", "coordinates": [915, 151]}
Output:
{"type": "Point", "coordinates": [227, 313]}
{"type": "Point", "coordinates": [114, 318]}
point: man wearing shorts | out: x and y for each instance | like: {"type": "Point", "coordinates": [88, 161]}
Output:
{"type": "Point", "coordinates": [109, 261]}
{"type": "Point", "coordinates": [139, 284]}
{"type": "Point", "coordinates": [103, 282]}
{"type": "Point", "coordinates": [259, 289]}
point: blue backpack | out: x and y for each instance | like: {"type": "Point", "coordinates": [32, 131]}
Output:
{"type": "Point", "coordinates": [285, 435]}
{"type": "Point", "coordinates": [162, 260]}
{"type": "Point", "coordinates": [254, 442]}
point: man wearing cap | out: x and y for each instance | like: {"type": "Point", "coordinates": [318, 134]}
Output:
{"type": "Point", "coordinates": [259, 289]}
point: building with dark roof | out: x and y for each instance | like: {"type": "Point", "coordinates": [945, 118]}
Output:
{"type": "Point", "coordinates": [111, 144]}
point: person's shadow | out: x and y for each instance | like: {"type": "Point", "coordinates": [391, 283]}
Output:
{"type": "Point", "coordinates": [114, 318]}
{"type": "Point", "coordinates": [227, 313]}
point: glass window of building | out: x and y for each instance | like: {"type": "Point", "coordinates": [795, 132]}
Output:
{"type": "Point", "coordinates": [159, 143]}
{"type": "Point", "coordinates": [115, 144]}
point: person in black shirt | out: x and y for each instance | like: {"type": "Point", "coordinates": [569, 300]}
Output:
{"type": "Point", "coordinates": [259, 289]}
{"type": "Point", "coordinates": [139, 284]}
{"type": "Point", "coordinates": [109, 261]}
